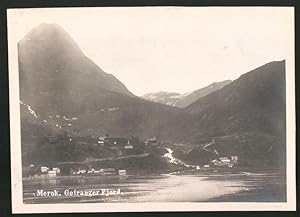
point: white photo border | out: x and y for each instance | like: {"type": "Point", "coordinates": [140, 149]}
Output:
{"type": "Point", "coordinates": [16, 168]}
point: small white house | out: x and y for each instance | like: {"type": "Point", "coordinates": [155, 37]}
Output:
{"type": "Point", "coordinates": [52, 173]}
{"type": "Point", "coordinates": [81, 171]}
{"type": "Point", "coordinates": [234, 159]}
{"type": "Point", "coordinates": [128, 147]}
{"type": "Point", "coordinates": [122, 172]}
{"type": "Point", "coordinates": [44, 169]}
{"type": "Point", "coordinates": [97, 171]}
{"type": "Point", "coordinates": [224, 159]}
{"type": "Point", "coordinates": [57, 170]}
{"type": "Point", "coordinates": [91, 171]}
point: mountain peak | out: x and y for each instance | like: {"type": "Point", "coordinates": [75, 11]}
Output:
{"type": "Point", "coordinates": [51, 38]}
{"type": "Point", "coordinates": [49, 26]}
{"type": "Point", "coordinates": [267, 80]}
{"type": "Point", "coordinates": [45, 29]}
{"type": "Point", "coordinates": [51, 62]}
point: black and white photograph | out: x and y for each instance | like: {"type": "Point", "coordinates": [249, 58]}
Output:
{"type": "Point", "coordinates": [152, 109]}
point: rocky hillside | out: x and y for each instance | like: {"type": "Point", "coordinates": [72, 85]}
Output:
{"type": "Point", "coordinates": [246, 117]}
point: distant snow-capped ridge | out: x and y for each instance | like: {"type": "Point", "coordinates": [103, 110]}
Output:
{"type": "Point", "coordinates": [167, 98]}
{"type": "Point", "coordinates": [186, 99]}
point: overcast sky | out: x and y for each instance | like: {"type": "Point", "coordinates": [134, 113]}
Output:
{"type": "Point", "coordinates": [176, 49]}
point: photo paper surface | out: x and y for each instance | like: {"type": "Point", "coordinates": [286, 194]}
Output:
{"type": "Point", "coordinates": [152, 109]}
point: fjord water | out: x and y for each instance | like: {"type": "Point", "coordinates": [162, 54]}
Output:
{"type": "Point", "coordinates": [204, 187]}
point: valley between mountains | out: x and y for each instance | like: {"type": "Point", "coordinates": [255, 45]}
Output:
{"type": "Point", "coordinates": [73, 114]}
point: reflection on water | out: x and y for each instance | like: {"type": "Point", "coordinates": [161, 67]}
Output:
{"type": "Point", "coordinates": [225, 187]}
{"type": "Point", "coordinates": [188, 188]}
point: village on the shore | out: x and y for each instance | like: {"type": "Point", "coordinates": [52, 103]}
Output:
{"type": "Point", "coordinates": [124, 146]}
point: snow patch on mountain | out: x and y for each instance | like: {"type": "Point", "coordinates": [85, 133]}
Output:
{"type": "Point", "coordinates": [109, 109]}
{"type": "Point", "coordinates": [52, 118]}
{"type": "Point", "coordinates": [31, 111]}
{"type": "Point", "coordinates": [167, 98]}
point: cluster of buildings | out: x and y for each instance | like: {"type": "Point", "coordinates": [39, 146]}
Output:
{"type": "Point", "coordinates": [50, 173]}
{"type": "Point", "coordinates": [102, 171]}
{"type": "Point", "coordinates": [124, 143]}
{"type": "Point", "coordinates": [152, 141]}
{"type": "Point", "coordinates": [44, 172]}
{"type": "Point", "coordinates": [225, 161]}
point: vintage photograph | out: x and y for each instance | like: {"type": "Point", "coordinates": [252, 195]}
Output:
{"type": "Point", "coordinates": [152, 106]}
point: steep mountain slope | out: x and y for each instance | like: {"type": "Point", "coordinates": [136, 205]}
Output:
{"type": "Point", "coordinates": [64, 94]}
{"type": "Point", "coordinates": [184, 100]}
{"type": "Point", "coordinates": [246, 117]}
{"type": "Point", "coordinates": [54, 71]}
{"type": "Point", "coordinates": [197, 94]}
{"type": "Point", "coordinates": [260, 92]}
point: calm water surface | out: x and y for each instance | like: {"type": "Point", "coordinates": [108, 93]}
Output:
{"type": "Point", "coordinates": [213, 187]}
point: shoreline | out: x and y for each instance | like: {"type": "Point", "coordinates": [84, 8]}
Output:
{"type": "Point", "coordinates": [208, 173]}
